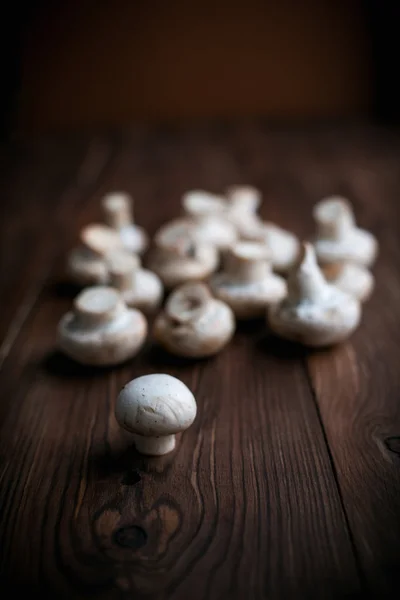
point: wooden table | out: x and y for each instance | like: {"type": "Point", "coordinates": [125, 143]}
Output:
{"type": "Point", "coordinates": [288, 483]}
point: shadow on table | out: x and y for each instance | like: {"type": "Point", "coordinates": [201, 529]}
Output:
{"type": "Point", "coordinates": [57, 364]}
{"type": "Point", "coordinates": [127, 464]}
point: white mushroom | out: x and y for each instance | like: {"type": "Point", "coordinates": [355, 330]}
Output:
{"type": "Point", "coordinates": [193, 323]}
{"type": "Point", "coordinates": [100, 329]}
{"type": "Point", "coordinates": [118, 214]}
{"type": "Point", "coordinates": [283, 245]}
{"type": "Point", "coordinates": [243, 198]}
{"type": "Point", "coordinates": [177, 257]}
{"type": "Point", "coordinates": [209, 215]}
{"type": "Point", "coordinates": [86, 264]}
{"type": "Point", "coordinates": [155, 408]}
{"type": "Point", "coordinates": [247, 283]}
{"type": "Point", "coordinates": [337, 238]}
{"type": "Point", "coordinates": [243, 202]}
{"type": "Point", "coordinates": [354, 279]}
{"type": "Point", "coordinates": [314, 312]}
{"type": "Point", "coordinates": [139, 287]}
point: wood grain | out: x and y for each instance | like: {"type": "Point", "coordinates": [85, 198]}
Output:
{"type": "Point", "coordinates": [285, 486]}
{"type": "Point", "coordinates": [357, 386]}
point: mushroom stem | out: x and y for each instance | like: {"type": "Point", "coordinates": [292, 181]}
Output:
{"type": "Point", "coordinates": [118, 211]}
{"type": "Point", "coordinates": [122, 280]}
{"type": "Point", "coordinates": [98, 305]}
{"type": "Point", "coordinates": [154, 446]}
{"type": "Point", "coordinates": [248, 262]}
{"type": "Point", "coordinates": [188, 302]}
{"type": "Point", "coordinates": [334, 218]}
{"type": "Point", "coordinates": [243, 199]}
{"type": "Point", "coordinates": [306, 282]}
{"type": "Point", "coordinates": [122, 270]}
{"type": "Point", "coordinates": [179, 247]}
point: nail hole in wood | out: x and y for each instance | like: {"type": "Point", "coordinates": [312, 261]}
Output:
{"type": "Point", "coordinates": [133, 537]}
{"type": "Point", "coordinates": [393, 443]}
{"type": "Point", "coordinates": [131, 478]}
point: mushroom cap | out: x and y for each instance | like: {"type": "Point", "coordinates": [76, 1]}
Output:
{"type": "Point", "coordinates": [117, 201]}
{"type": "Point", "coordinates": [145, 291]}
{"type": "Point", "coordinates": [209, 213]}
{"type": "Point", "coordinates": [193, 323]}
{"type": "Point", "coordinates": [120, 262]}
{"type": "Point", "coordinates": [314, 325]}
{"type": "Point", "coordinates": [358, 246]}
{"type": "Point", "coordinates": [250, 251]}
{"type": "Point", "coordinates": [338, 239]}
{"type": "Point", "coordinates": [134, 238]}
{"type": "Point", "coordinates": [314, 312]}
{"type": "Point", "coordinates": [248, 284]}
{"type": "Point", "coordinates": [155, 405]}
{"type": "Point", "coordinates": [187, 302]}
{"type": "Point", "coordinates": [101, 330]}
{"type": "Point", "coordinates": [248, 300]}
{"type": "Point", "coordinates": [84, 267]}
{"type": "Point", "coordinates": [332, 209]}
{"type": "Point", "coordinates": [200, 203]}
{"type": "Point", "coordinates": [175, 270]}
{"type": "Point", "coordinates": [100, 239]}
{"type": "Point", "coordinates": [351, 278]}
{"type": "Point", "coordinates": [97, 301]}
{"type": "Point", "coordinates": [243, 198]}
{"type": "Point", "coordinates": [178, 257]}
{"type": "Point", "coordinates": [175, 235]}
{"type": "Point", "coordinates": [284, 246]}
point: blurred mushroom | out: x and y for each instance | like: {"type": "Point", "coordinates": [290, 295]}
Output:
{"type": "Point", "coordinates": [100, 329]}
{"type": "Point", "coordinates": [208, 213]}
{"type": "Point", "coordinates": [243, 202]}
{"type": "Point", "coordinates": [337, 238]}
{"type": "Point", "coordinates": [314, 313]}
{"type": "Point", "coordinates": [118, 214]}
{"type": "Point", "coordinates": [139, 287]}
{"type": "Point", "coordinates": [177, 257]}
{"type": "Point", "coordinates": [247, 283]}
{"type": "Point", "coordinates": [354, 279]}
{"type": "Point", "coordinates": [283, 245]}
{"type": "Point", "coordinates": [193, 323]}
{"type": "Point", "coordinates": [86, 264]}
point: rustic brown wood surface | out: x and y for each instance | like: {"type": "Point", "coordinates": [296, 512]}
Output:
{"type": "Point", "coordinates": [287, 485]}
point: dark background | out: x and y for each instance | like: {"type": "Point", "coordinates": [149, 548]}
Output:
{"type": "Point", "coordinates": [88, 64]}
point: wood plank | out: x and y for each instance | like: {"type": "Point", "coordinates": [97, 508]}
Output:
{"type": "Point", "coordinates": [246, 507]}
{"type": "Point", "coordinates": [40, 184]}
{"type": "Point", "coordinates": [357, 385]}
{"type": "Point", "coordinates": [57, 181]}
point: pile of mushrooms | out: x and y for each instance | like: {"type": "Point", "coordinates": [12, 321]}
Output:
{"type": "Point", "coordinates": [216, 263]}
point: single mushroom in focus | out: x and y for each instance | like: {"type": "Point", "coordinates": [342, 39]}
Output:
{"type": "Point", "coordinates": [208, 213]}
{"type": "Point", "coordinates": [155, 408]}
{"type": "Point", "coordinates": [139, 287]}
{"type": "Point", "coordinates": [338, 239]}
{"type": "Point", "coordinates": [193, 323]}
{"type": "Point", "coordinates": [118, 214]}
{"type": "Point", "coordinates": [314, 312]}
{"type": "Point", "coordinates": [247, 283]}
{"type": "Point", "coordinates": [354, 279]}
{"type": "Point", "coordinates": [101, 329]}
{"type": "Point", "coordinates": [177, 257]}
{"type": "Point", "coordinates": [86, 264]}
